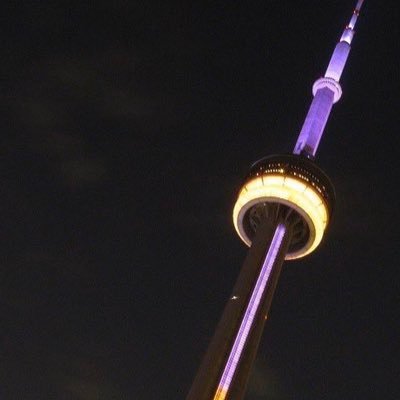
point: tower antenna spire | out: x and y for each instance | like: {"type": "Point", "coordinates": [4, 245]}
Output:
{"type": "Point", "coordinates": [348, 32]}
{"type": "Point", "coordinates": [355, 15]}
{"type": "Point", "coordinates": [326, 91]}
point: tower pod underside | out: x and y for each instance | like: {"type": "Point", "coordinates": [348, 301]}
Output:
{"type": "Point", "coordinates": [290, 188]}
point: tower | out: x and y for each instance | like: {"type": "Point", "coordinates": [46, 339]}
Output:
{"type": "Point", "coordinates": [282, 212]}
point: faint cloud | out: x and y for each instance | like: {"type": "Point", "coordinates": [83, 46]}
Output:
{"type": "Point", "coordinates": [60, 101]}
{"type": "Point", "coordinates": [83, 378]}
{"type": "Point", "coordinates": [264, 383]}
{"type": "Point", "coordinates": [59, 145]}
{"type": "Point", "coordinates": [79, 172]}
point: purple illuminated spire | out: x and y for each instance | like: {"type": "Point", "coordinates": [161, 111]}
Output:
{"type": "Point", "coordinates": [281, 212]}
{"type": "Point", "coordinates": [326, 91]}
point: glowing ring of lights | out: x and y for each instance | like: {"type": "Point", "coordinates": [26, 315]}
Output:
{"type": "Point", "coordinates": [329, 83]}
{"type": "Point", "coordinates": [290, 191]}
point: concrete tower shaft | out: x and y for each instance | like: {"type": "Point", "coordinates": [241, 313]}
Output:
{"type": "Point", "coordinates": [226, 365]}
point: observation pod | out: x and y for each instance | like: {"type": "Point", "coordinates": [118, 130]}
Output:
{"type": "Point", "coordinates": [292, 188]}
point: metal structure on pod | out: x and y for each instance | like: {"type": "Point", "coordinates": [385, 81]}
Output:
{"type": "Point", "coordinates": [281, 213]}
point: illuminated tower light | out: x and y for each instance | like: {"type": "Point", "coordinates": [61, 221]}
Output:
{"type": "Point", "coordinates": [303, 191]}
{"type": "Point", "coordinates": [249, 315]}
{"type": "Point", "coordinates": [282, 212]}
{"type": "Point", "coordinates": [326, 91]}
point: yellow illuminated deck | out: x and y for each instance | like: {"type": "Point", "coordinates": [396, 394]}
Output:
{"type": "Point", "coordinates": [288, 190]}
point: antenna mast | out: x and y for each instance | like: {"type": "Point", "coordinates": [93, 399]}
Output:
{"type": "Point", "coordinates": [326, 91]}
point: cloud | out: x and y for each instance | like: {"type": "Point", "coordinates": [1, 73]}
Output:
{"type": "Point", "coordinates": [68, 110]}
{"type": "Point", "coordinates": [264, 383]}
{"type": "Point", "coordinates": [83, 171]}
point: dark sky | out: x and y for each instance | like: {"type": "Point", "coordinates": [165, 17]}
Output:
{"type": "Point", "coordinates": [126, 130]}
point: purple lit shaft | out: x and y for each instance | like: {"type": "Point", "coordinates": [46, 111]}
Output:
{"type": "Point", "coordinates": [314, 124]}
{"type": "Point", "coordinates": [251, 311]}
{"type": "Point", "coordinates": [321, 106]}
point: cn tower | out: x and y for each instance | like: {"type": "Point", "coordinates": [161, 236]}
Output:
{"type": "Point", "coordinates": [282, 212]}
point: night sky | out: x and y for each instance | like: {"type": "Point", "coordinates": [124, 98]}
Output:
{"type": "Point", "coordinates": [126, 131]}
